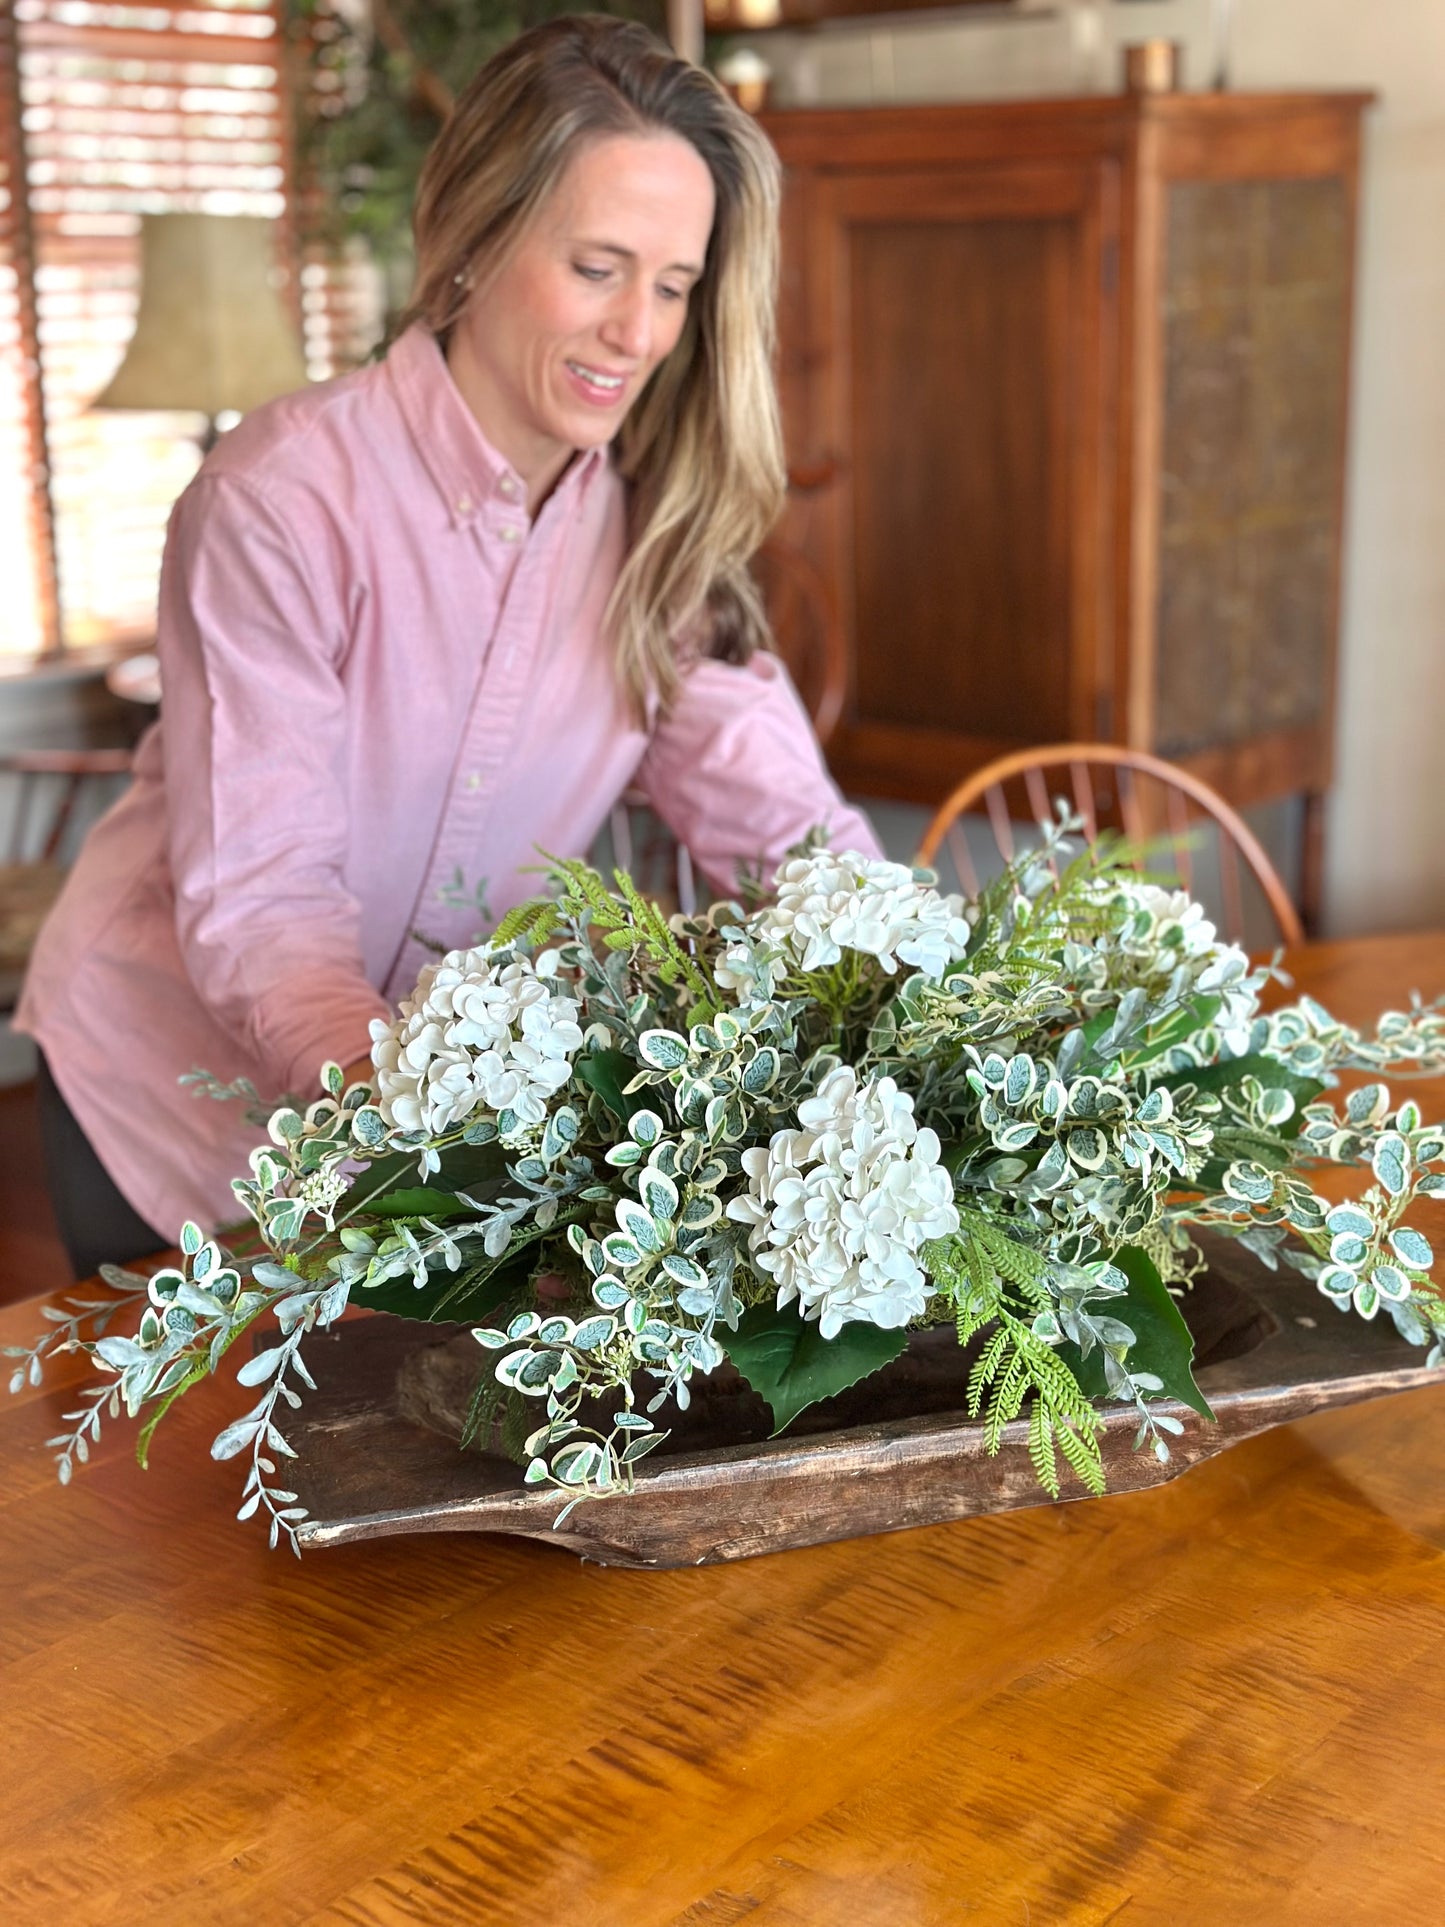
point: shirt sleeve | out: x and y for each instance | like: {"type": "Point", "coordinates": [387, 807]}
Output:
{"type": "Point", "coordinates": [735, 771]}
{"type": "Point", "coordinates": [256, 747]}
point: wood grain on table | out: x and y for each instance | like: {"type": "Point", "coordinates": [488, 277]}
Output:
{"type": "Point", "coordinates": [1220, 1702]}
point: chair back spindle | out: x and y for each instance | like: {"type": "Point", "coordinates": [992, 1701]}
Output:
{"type": "Point", "coordinates": [1151, 800]}
{"type": "Point", "coordinates": [32, 782]}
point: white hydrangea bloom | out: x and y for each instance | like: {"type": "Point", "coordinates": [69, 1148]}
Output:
{"type": "Point", "coordinates": [1169, 924]}
{"type": "Point", "coordinates": [839, 1209]}
{"type": "Point", "coordinates": [1225, 976]}
{"type": "Point", "coordinates": [750, 971]}
{"type": "Point", "coordinates": [476, 1034]}
{"type": "Point", "coordinates": [831, 901]}
{"type": "Point", "coordinates": [1174, 918]}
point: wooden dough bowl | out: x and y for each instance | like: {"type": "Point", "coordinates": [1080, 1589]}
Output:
{"type": "Point", "coordinates": [380, 1451]}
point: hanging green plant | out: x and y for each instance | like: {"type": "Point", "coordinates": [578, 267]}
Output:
{"type": "Point", "coordinates": [380, 82]}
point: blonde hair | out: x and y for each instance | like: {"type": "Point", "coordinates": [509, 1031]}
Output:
{"type": "Point", "coordinates": [702, 446]}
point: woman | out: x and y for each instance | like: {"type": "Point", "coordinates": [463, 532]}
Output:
{"type": "Point", "coordinates": [417, 622]}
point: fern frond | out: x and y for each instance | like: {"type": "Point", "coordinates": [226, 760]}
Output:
{"type": "Point", "coordinates": [971, 1319]}
{"type": "Point", "coordinates": [1083, 1455]}
{"type": "Point", "coordinates": [1019, 1264]}
{"type": "Point", "coordinates": [1058, 1384]}
{"type": "Point", "coordinates": [657, 939]}
{"type": "Point", "coordinates": [1007, 1401]}
{"type": "Point", "coordinates": [1041, 1448]}
{"type": "Point", "coordinates": [584, 890]}
{"type": "Point", "coordinates": [530, 922]}
{"type": "Point", "coordinates": [486, 1403]}
{"type": "Point", "coordinates": [518, 1418]}
{"type": "Point", "coordinates": [978, 1269]}
{"type": "Point", "coordinates": [981, 1377]}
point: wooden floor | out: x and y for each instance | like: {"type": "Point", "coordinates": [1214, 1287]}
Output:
{"type": "Point", "coordinates": [31, 1257]}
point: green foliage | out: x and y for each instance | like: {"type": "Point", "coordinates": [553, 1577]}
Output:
{"type": "Point", "coordinates": [627, 921]}
{"type": "Point", "coordinates": [475, 1292]}
{"type": "Point", "coordinates": [1163, 1343]}
{"type": "Point", "coordinates": [382, 1187]}
{"type": "Point", "coordinates": [1038, 1111]}
{"type": "Point", "coordinates": [486, 1402]}
{"type": "Point", "coordinates": [790, 1364]}
{"type": "Point", "coordinates": [384, 83]}
{"type": "Point", "coordinates": [1268, 1072]}
{"type": "Point", "coordinates": [200, 1369]}
{"type": "Point", "coordinates": [999, 1285]}
{"type": "Point", "coordinates": [418, 1201]}
{"type": "Point", "coordinates": [608, 1072]}
{"type": "Point", "coordinates": [528, 925]}
{"type": "Point", "coordinates": [648, 933]}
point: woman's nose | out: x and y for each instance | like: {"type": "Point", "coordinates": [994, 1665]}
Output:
{"type": "Point", "coordinates": [629, 325]}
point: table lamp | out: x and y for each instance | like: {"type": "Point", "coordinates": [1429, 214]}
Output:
{"type": "Point", "coordinates": [211, 335]}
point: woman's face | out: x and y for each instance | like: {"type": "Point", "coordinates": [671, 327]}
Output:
{"type": "Point", "coordinates": [552, 351]}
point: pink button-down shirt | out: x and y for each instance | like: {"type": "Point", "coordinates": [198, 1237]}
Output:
{"type": "Point", "coordinates": [380, 674]}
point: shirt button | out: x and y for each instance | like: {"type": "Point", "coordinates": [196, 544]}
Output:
{"type": "Point", "coordinates": [465, 505]}
{"type": "Point", "coordinates": [508, 487]}
{"type": "Point", "coordinates": [474, 780]}
{"type": "Point", "coordinates": [509, 534]}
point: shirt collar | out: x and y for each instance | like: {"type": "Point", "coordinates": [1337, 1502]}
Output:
{"type": "Point", "coordinates": [467, 471]}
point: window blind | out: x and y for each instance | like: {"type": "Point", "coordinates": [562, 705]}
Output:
{"type": "Point", "coordinates": [27, 588]}
{"type": "Point", "coordinates": [130, 109]}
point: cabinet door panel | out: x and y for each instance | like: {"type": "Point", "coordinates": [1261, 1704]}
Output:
{"type": "Point", "coordinates": [960, 504]}
{"type": "Point", "coordinates": [1255, 321]}
{"type": "Point", "coordinates": [963, 387]}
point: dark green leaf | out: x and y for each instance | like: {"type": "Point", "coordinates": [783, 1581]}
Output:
{"type": "Point", "coordinates": [956, 1154]}
{"type": "Point", "coordinates": [419, 1201]}
{"type": "Point", "coordinates": [1229, 1073]}
{"type": "Point", "coordinates": [469, 1296]}
{"type": "Point", "coordinates": [1197, 1014]}
{"type": "Point", "coordinates": [1233, 1142]}
{"type": "Point", "coordinates": [607, 1072]}
{"type": "Point", "coordinates": [463, 1168]}
{"type": "Point", "coordinates": [791, 1364]}
{"type": "Point", "coordinates": [1163, 1342]}
{"type": "Point", "coordinates": [1097, 1027]}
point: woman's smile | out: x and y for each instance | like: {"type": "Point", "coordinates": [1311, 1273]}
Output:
{"type": "Point", "coordinates": [597, 377]}
{"type": "Point", "coordinates": [600, 389]}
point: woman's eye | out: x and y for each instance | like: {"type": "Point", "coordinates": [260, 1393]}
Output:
{"type": "Point", "coordinates": [673, 294]}
{"type": "Point", "coordinates": [589, 273]}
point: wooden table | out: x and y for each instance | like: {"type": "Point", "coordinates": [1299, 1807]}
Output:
{"type": "Point", "coordinates": [1221, 1702]}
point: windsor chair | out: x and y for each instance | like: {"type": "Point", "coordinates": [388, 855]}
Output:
{"type": "Point", "coordinates": [1109, 786]}
{"type": "Point", "coordinates": [44, 795]}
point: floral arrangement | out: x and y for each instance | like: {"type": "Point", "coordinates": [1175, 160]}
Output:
{"type": "Point", "coordinates": [624, 1147]}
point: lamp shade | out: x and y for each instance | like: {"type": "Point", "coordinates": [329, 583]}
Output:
{"type": "Point", "coordinates": [211, 334]}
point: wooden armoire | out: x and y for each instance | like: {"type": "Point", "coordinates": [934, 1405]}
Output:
{"type": "Point", "coordinates": [1065, 395]}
